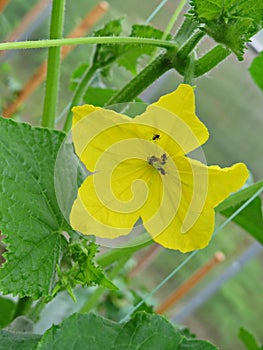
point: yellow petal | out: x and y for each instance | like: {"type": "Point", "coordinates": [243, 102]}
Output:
{"type": "Point", "coordinates": [95, 129]}
{"type": "Point", "coordinates": [174, 119]}
{"type": "Point", "coordinates": [81, 112]}
{"type": "Point", "coordinates": [196, 238]}
{"type": "Point", "coordinates": [201, 189]}
{"type": "Point", "coordinates": [92, 217]}
{"type": "Point", "coordinates": [109, 201]}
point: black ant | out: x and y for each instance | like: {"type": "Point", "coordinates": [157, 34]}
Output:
{"type": "Point", "coordinates": [156, 137]}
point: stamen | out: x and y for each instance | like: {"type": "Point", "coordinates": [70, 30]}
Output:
{"type": "Point", "coordinates": [157, 162]}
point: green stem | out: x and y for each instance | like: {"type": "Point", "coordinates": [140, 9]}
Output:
{"type": "Point", "coordinates": [164, 62]}
{"type": "Point", "coordinates": [190, 44]}
{"type": "Point", "coordinates": [78, 95]}
{"type": "Point", "coordinates": [36, 44]}
{"type": "Point", "coordinates": [209, 60]}
{"type": "Point", "coordinates": [188, 27]}
{"type": "Point", "coordinates": [173, 19]}
{"type": "Point", "coordinates": [23, 306]}
{"type": "Point", "coordinates": [189, 69]}
{"type": "Point", "coordinates": [146, 77]}
{"type": "Point", "coordinates": [36, 310]}
{"type": "Point", "coordinates": [93, 300]}
{"type": "Point", "coordinates": [53, 65]}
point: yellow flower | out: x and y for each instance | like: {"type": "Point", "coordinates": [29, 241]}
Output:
{"type": "Point", "coordinates": [140, 170]}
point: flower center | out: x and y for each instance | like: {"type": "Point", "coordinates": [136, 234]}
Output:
{"type": "Point", "coordinates": [158, 162]}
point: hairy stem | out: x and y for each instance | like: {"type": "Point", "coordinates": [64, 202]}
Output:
{"type": "Point", "coordinates": [209, 60]}
{"type": "Point", "coordinates": [53, 65]}
{"type": "Point", "coordinates": [174, 18]}
{"type": "Point", "coordinates": [145, 78]}
{"type": "Point", "coordinates": [36, 44]}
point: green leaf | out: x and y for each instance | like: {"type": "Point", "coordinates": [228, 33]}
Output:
{"type": "Point", "coordinates": [30, 216]}
{"type": "Point", "coordinates": [18, 341]}
{"type": "Point", "coordinates": [147, 332]}
{"type": "Point", "coordinates": [81, 269]}
{"type": "Point", "coordinates": [249, 218]}
{"type": "Point", "coordinates": [98, 96]}
{"type": "Point", "coordinates": [193, 344]}
{"type": "Point", "coordinates": [239, 197]}
{"type": "Point", "coordinates": [90, 331]}
{"type": "Point", "coordinates": [256, 70]}
{"type": "Point", "coordinates": [7, 307]}
{"type": "Point", "coordinates": [80, 331]}
{"type": "Point", "coordinates": [126, 55]}
{"type": "Point", "coordinates": [131, 53]}
{"type": "Point", "coordinates": [105, 54]}
{"type": "Point", "coordinates": [248, 340]}
{"type": "Point", "coordinates": [231, 22]}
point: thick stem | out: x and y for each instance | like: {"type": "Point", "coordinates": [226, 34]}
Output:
{"type": "Point", "coordinates": [190, 44]}
{"type": "Point", "coordinates": [145, 78]}
{"type": "Point", "coordinates": [53, 65]}
{"type": "Point", "coordinates": [209, 60]}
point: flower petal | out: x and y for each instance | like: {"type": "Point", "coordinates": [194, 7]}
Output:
{"type": "Point", "coordinates": [174, 118]}
{"type": "Point", "coordinates": [196, 238]}
{"type": "Point", "coordinates": [92, 217]}
{"type": "Point", "coordinates": [94, 130]}
{"type": "Point", "coordinates": [192, 194]}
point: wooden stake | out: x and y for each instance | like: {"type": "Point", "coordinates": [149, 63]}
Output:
{"type": "Point", "coordinates": [180, 292]}
{"type": "Point", "coordinates": [3, 4]}
{"type": "Point", "coordinates": [92, 17]}
{"type": "Point", "coordinates": [27, 21]}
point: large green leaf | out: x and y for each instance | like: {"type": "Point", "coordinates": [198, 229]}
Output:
{"type": "Point", "coordinates": [144, 332]}
{"type": "Point", "coordinates": [194, 344]}
{"type": "Point", "coordinates": [80, 331]}
{"type": "Point", "coordinates": [231, 22]}
{"type": "Point", "coordinates": [256, 70]}
{"type": "Point", "coordinates": [250, 218]}
{"type": "Point", "coordinates": [18, 341]}
{"type": "Point", "coordinates": [30, 216]}
{"type": "Point", "coordinates": [239, 197]}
